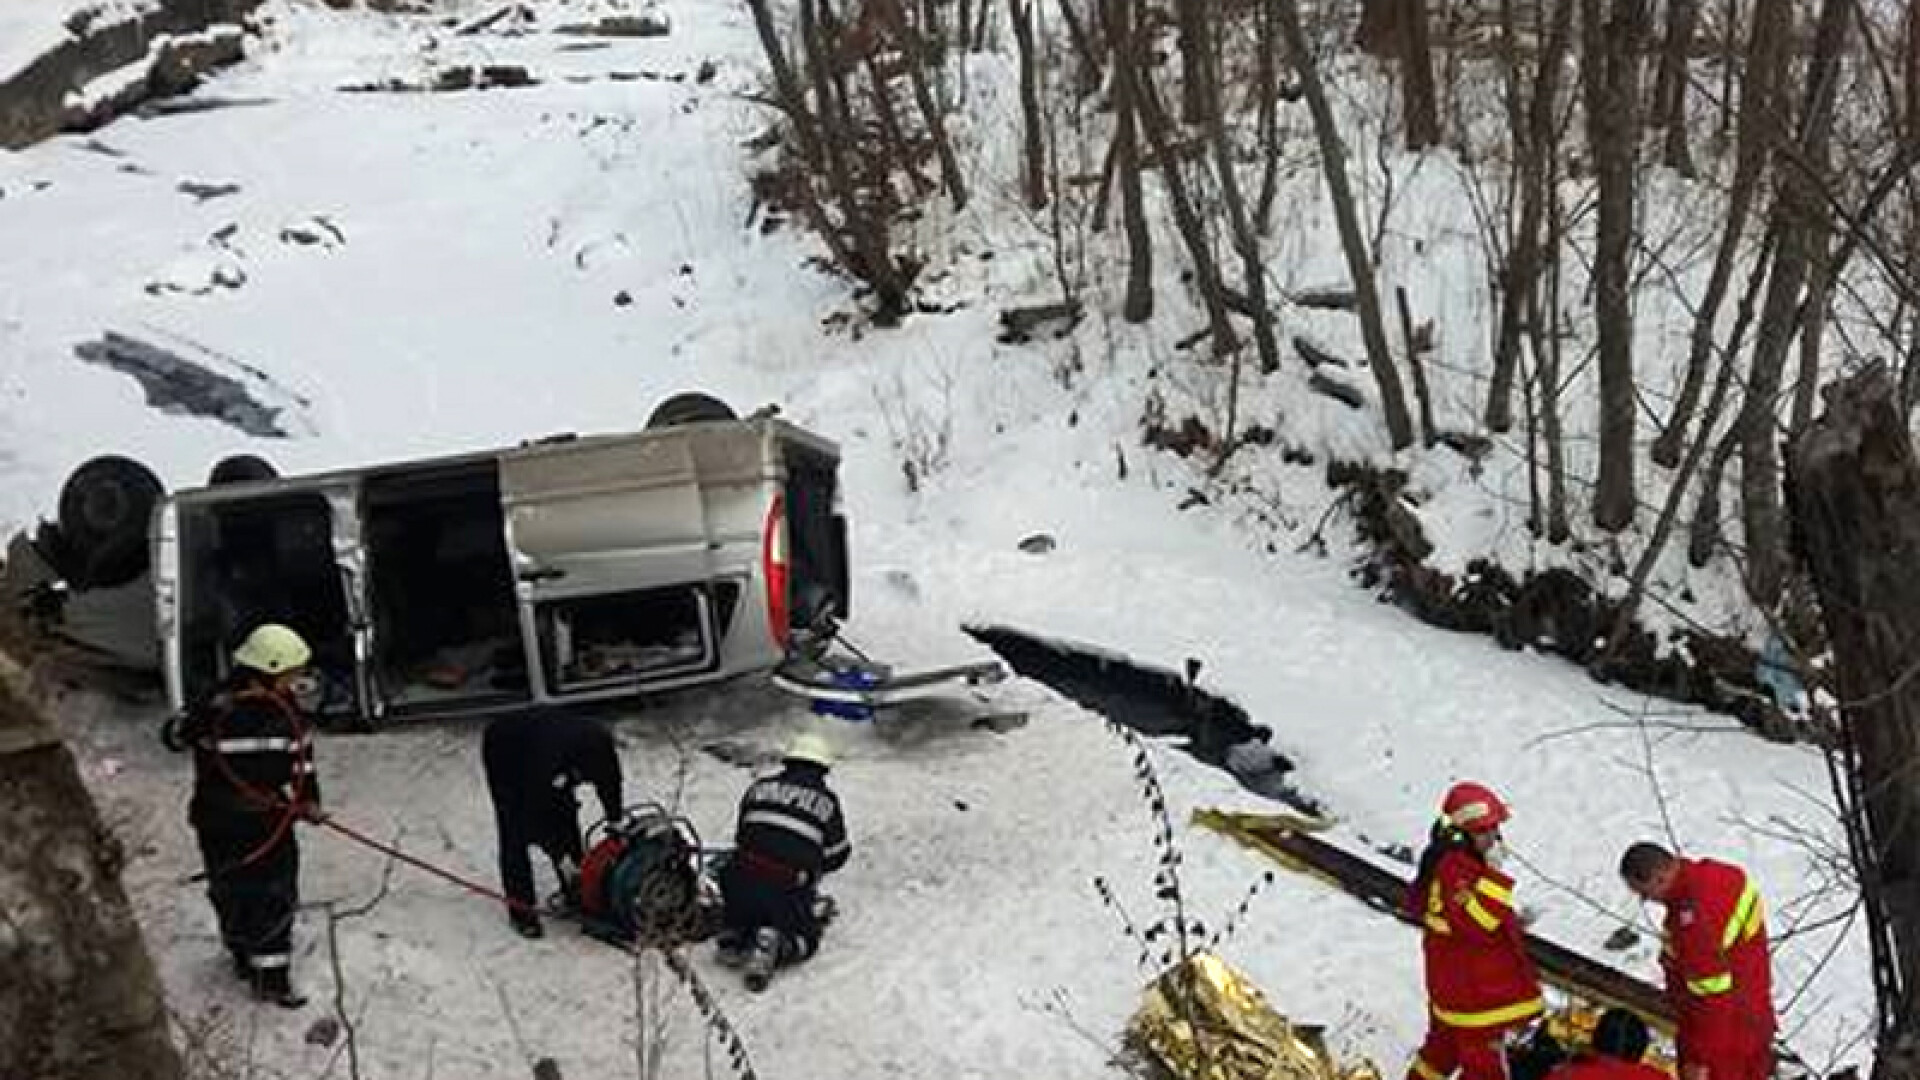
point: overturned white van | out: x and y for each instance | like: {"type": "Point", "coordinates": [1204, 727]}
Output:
{"type": "Point", "coordinates": [562, 571]}
{"type": "Point", "coordinates": [566, 570]}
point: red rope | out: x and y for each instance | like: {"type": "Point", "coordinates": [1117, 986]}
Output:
{"type": "Point", "coordinates": [289, 808]}
{"type": "Point", "coordinates": [421, 864]}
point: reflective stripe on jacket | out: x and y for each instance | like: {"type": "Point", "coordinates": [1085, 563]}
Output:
{"type": "Point", "coordinates": [1719, 978]}
{"type": "Point", "coordinates": [1477, 971]}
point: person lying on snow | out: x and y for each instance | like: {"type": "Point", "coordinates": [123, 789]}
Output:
{"type": "Point", "coordinates": [1617, 1053]}
{"type": "Point", "coordinates": [1480, 984]}
{"type": "Point", "coordinates": [790, 834]}
{"type": "Point", "coordinates": [533, 764]}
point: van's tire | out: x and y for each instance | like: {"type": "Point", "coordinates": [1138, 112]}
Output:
{"type": "Point", "coordinates": [104, 510]}
{"type": "Point", "coordinates": [689, 408]}
{"type": "Point", "coordinates": [241, 469]}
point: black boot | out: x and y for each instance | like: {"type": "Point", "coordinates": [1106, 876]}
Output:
{"type": "Point", "coordinates": [527, 925]}
{"type": "Point", "coordinates": [275, 987]}
{"type": "Point", "coordinates": [730, 948]}
{"type": "Point", "coordinates": [763, 955]}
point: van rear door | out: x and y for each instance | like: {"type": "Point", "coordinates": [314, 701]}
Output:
{"type": "Point", "coordinates": [614, 558]}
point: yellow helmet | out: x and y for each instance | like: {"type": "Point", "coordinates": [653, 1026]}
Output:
{"type": "Point", "coordinates": [811, 748]}
{"type": "Point", "coordinates": [273, 649]}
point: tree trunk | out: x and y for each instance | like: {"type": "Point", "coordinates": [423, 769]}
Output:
{"type": "Point", "coordinates": [1670, 93]}
{"type": "Point", "coordinates": [1035, 154]}
{"type": "Point", "coordinates": [1420, 393]}
{"type": "Point", "coordinates": [929, 105]}
{"type": "Point", "coordinates": [1193, 58]}
{"type": "Point", "coordinates": [1138, 306]}
{"type": "Point", "coordinates": [1912, 116]}
{"type": "Point", "coordinates": [1854, 490]}
{"type": "Point", "coordinates": [1186, 214]}
{"type": "Point", "coordinates": [1091, 73]}
{"type": "Point", "coordinates": [1393, 399]}
{"type": "Point", "coordinates": [1381, 31]}
{"type": "Point", "coordinates": [1267, 76]}
{"type": "Point", "coordinates": [1707, 533]}
{"type": "Point", "coordinates": [1760, 95]}
{"type": "Point", "coordinates": [793, 99]}
{"type": "Point", "coordinates": [1422, 101]}
{"type": "Point", "coordinates": [1670, 513]}
{"type": "Point", "coordinates": [806, 132]}
{"type": "Point", "coordinates": [1534, 149]}
{"type": "Point", "coordinates": [1239, 222]}
{"type": "Point", "coordinates": [1547, 345]}
{"type": "Point", "coordinates": [1612, 65]}
{"type": "Point", "coordinates": [79, 999]}
{"type": "Point", "coordinates": [1806, 388]}
{"type": "Point", "coordinates": [1704, 536]}
{"type": "Point", "coordinates": [1798, 202]}
{"type": "Point", "coordinates": [887, 118]}
{"type": "Point", "coordinates": [1729, 60]}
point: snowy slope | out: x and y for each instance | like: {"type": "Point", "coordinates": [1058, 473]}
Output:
{"type": "Point", "coordinates": [30, 29]}
{"type": "Point", "coordinates": [471, 298]}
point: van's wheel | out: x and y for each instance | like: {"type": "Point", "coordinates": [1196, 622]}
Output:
{"type": "Point", "coordinates": [689, 408]}
{"type": "Point", "coordinates": [241, 469]}
{"type": "Point", "coordinates": [104, 509]}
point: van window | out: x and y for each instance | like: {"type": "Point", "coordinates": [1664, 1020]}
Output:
{"type": "Point", "coordinates": [602, 642]}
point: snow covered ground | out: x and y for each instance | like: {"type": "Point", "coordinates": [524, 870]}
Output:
{"type": "Point", "coordinates": [469, 293]}
{"type": "Point", "coordinates": [31, 28]}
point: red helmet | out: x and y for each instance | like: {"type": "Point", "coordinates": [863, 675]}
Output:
{"type": "Point", "coordinates": [1473, 808]}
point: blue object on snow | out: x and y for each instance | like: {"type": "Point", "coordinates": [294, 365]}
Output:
{"type": "Point", "coordinates": [850, 679]}
{"type": "Point", "coordinates": [1774, 670]}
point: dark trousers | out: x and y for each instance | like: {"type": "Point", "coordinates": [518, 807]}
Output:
{"type": "Point", "coordinates": [754, 899]}
{"type": "Point", "coordinates": [546, 819]}
{"type": "Point", "coordinates": [253, 879]}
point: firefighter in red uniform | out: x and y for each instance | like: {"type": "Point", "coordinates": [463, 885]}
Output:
{"type": "Point", "coordinates": [1480, 984]}
{"type": "Point", "coordinates": [1719, 980]}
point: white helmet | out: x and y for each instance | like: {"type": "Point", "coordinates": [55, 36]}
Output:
{"type": "Point", "coordinates": [811, 748]}
{"type": "Point", "coordinates": [273, 649]}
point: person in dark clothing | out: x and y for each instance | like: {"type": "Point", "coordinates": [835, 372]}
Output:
{"type": "Point", "coordinates": [252, 777]}
{"type": "Point", "coordinates": [790, 834]}
{"type": "Point", "coordinates": [1618, 1052]}
{"type": "Point", "coordinates": [533, 764]}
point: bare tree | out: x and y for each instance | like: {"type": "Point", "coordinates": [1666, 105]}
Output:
{"type": "Point", "coordinates": [1536, 139]}
{"type": "Point", "coordinates": [1193, 58]}
{"type": "Point", "coordinates": [1612, 33]}
{"type": "Point", "coordinates": [1359, 264]}
{"type": "Point", "coordinates": [1416, 57]}
{"type": "Point", "coordinates": [1239, 222]}
{"type": "Point", "coordinates": [1704, 535]}
{"type": "Point", "coordinates": [1544, 323]}
{"type": "Point", "coordinates": [1729, 55]}
{"type": "Point", "coordinates": [1854, 489]}
{"type": "Point", "coordinates": [1138, 306]}
{"type": "Point", "coordinates": [1670, 512]}
{"type": "Point", "coordinates": [1913, 74]}
{"type": "Point", "coordinates": [1035, 154]}
{"type": "Point", "coordinates": [1186, 211]}
{"type": "Point", "coordinates": [1380, 28]}
{"type": "Point", "coordinates": [1421, 395]}
{"type": "Point", "coordinates": [1670, 92]}
{"type": "Point", "coordinates": [1796, 207]}
{"type": "Point", "coordinates": [1820, 282]}
{"type": "Point", "coordinates": [1759, 118]}
{"type": "Point", "coordinates": [917, 51]}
